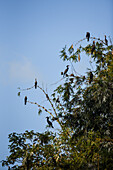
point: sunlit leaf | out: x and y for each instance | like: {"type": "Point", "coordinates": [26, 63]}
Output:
{"type": "Point", "coordinates": [78, 57]}
{"type": "Point", "coordinates": [39, 111]}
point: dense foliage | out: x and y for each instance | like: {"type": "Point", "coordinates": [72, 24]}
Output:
{"type": "Point", "coordinates": [83, 107]}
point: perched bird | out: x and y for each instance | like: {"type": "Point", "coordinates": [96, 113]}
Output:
{"type": "Point", "coordinates": [87, 36]}
{"type": "Point", "coordinates": [66, 70]}
{"type": "Point", "coordinates": [25, 100]}
{"type": "Point", "coordinates": [35, 83]}
{"type": "Point", "coordinates": [49, 123]}
{"type": "Point", "coordinates": [106, 41]}
{"type": "Point", "coordinates": [91, 77]}
{"type": "Point", "coordinates": [93, 47]}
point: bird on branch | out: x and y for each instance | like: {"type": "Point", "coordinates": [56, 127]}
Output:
{"type": "Point", "coordinates": [49, 122]}
{"type": "Point", "coordinates": [106, 41]}
{"type": "Point", "coordinates": [25, 100]}
{"type": "Point", "coordinates": [87, 36]}
{"type": "Point", "coordinates": [35, 83]}
{"type": "Point", "coordinates": [66, 70]}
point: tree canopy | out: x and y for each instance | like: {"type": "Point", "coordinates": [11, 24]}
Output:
{"type": "Point", "coordinates": [83, 107]}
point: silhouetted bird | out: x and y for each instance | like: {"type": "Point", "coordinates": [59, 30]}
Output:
{"type": "Point", "coordinates": [49, 123]}
{"type": "Point", "coordinates": [66, 70]}
{"type": "Point", "coordinates": [91, 77]}
{"type": "Point", "coordinates": [25, 100]}
{"type": "Point", "coordinates": [93, 47]}
{"type": "Point", "coordinates": [87, 36]}
{"type": "Point", "coordinates": [35, 83]}
{"type": "Point", "coordinates": [106, 41]}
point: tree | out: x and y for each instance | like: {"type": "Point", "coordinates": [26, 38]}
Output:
{"type": "Point", "coordinates": [83, 107]}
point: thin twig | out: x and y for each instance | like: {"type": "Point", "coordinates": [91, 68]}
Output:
{"type": "Point", "coordinates": [45, 111]}
{"type": "Point", "coordinates": [26, 88]}
{"type": "Point", "coordinates": [41, 107]}
{"type": "Point", "coordinates": [57, 82]}
{"type": "Point", "coordinates": [48, 99]}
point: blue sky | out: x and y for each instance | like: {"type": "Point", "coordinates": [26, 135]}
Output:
{"type": "Point", "coordinates": [32, 33]}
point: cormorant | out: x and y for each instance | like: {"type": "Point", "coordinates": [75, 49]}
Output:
{"type": "Point", "coordinates": [93, 47]}
{"type": "Point", "coordinates": [25, 100]}
{"type": "Point", "coordinates": [106, 41]}
{"type": "Point", "coordinates": [49, 123]}
{"type": "Point", "coordinates": [35, 83]}
{"type": "Point", "coordinates": [87, 36]}
{"type": "Point", "coordinates": [66, 70]}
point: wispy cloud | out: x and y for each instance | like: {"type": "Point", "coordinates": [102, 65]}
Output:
{"type": "Point", "coordinates": [22, 70]}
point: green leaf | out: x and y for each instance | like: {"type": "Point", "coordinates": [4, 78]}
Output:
{"type": "Point", "coordinates": [39, 111]}
{"type": "Point", "coordinates": [19, 93]}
